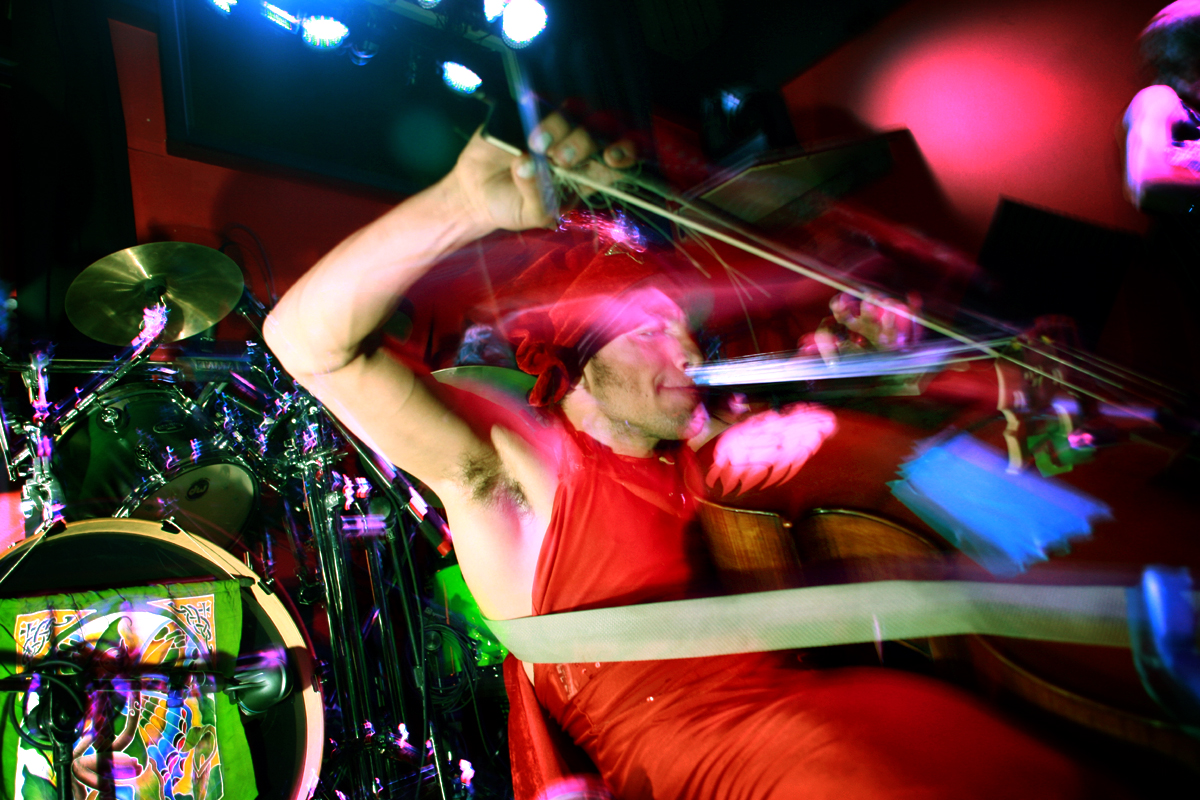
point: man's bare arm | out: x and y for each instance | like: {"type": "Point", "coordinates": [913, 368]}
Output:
{"type": "Point", "coordinates": [320, 329]}
{"type": "Point", "coordinates": [321, 332]}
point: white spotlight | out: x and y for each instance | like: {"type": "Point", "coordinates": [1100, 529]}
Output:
{"type": "Point", "coordinates": [323, 33]}
{"type": "Point", "coordinates": [523, 21]}
{"type": "Point", "coordinates": [492, 9]}
{"type": "Point", "coordinates": [459, 78]}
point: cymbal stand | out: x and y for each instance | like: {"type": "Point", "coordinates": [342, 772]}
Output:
{"type": "Point", "coordinates": [312, 453]}
{"type": "Point", "coordinates": [41, 496]}
{"type": "Point", "coordinates": [402, 495]}
{"type": "Point", "coordinates": [55, 417]}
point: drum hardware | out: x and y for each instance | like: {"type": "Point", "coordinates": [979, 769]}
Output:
{"type": "Point", "coordinates": [147, 451]}
{"type": "Point", "coordinates": [41, 496]}
{"type": "Point", "coordinates": [251, 420]}
{"type": "Point", "coordinates": [403, 495]}
{"type": "Point", "coordinates": [260, 681]}
{"type": "Point", "coordinates": [53, 722]}
{"type": "Point", "coordinates": [311, 451]}
{"type": "Point", "coordinates": [381, 617]}
{"type": "Point", "coordinates": [267, 564]}
{"type": "Point", "coordinates": [59, 415]}
{"type": "Point", "coordinates": [401, 492]}
{"type": "Point", "coordinates": [168, 370]}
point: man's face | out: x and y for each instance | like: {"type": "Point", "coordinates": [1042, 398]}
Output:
{"type": "Point", "coordinates": [638, 378]}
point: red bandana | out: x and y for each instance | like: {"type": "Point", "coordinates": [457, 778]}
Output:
{"type": "Point", "coordinates": [576, 295]}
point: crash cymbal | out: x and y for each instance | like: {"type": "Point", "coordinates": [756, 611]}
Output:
{"type": "Point", "coordinates": [200, 286]}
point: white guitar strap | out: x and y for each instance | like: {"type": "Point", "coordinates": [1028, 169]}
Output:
{"type": "Point", "coordinates": [820, 616]}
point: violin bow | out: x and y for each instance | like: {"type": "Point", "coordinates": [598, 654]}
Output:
{"type": "Point", "coordinates": [714, 224]}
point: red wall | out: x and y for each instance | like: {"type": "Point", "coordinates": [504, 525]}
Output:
{"type": "Point", "coordinates": [297, 220]}
{"type": "Point", "coordinates": [179, 199]}
{"type": "Point", "coordinates": [1014, 98]}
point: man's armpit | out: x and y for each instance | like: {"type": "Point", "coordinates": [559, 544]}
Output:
{"type": "Point", "coordinates": [488, 481]}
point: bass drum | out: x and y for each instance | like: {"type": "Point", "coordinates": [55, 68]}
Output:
{"type": "Point", "coordinates": [286, 740]}
{"type": "Point", "coordinates": [145, 451]}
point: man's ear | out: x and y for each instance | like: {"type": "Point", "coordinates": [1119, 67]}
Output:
{"type": "Point", "coordinates": [584, 383]}
{"type": "Point", "coordinates": [578, 397]}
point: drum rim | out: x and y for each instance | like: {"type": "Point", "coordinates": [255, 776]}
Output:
{"type": "Point", "coordinates": [124, 391]}
{"type": "Point", "coordinates": [155, 480]}
{"type": "Point", "coordinates": [277, 612]}
{"type": "Point", "coordinates": [213, 451]}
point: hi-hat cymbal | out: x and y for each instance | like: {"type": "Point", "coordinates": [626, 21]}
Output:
{"type": "Point", "coordinates": [200, 286]}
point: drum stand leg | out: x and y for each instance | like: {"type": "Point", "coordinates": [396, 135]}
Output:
{"type": "Point", "coordinates": [367, 767]}
{"type": "Point", "coordinates": [394, 694]}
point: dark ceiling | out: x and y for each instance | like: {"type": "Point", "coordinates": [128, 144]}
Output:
{"type": "Point", "coordinates": [65, 198]}
{"type": "Point", "coordinates": [666, 56]}
{"type": "Point", "coordinates": [699, 45]}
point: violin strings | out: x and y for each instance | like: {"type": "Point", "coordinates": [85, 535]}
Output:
{"type": "Point", "coordinates": [1094, 375]}
{"type": "Point", "coordinates": [1112, 366]}
{"type": "Point", "coordinates": [815, 273]}
{"type": "Point", "coordinates": [818, 271]}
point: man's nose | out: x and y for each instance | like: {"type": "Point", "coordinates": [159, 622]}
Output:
{"type": "Point", "coordinates": [687, 354]}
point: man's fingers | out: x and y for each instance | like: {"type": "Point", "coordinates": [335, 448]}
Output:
{"type": "Point", "coordinates": [792, 472]}
{"type": "Point", "coordinates": [621, 154]}
{"type": "Point", "coordinates": [550, 130]}
{"type": "Point", "coordinates": [886, 330]}
{"type": "Point", "coordinates": [568, 145]}
{"type": "Point", "coordinates": [710, 477]}
{"type": "Point", "coordinates": [572, 149]}
{"type": "Point", "coordinates": [524, 177]}
{"type": "Point", "coordinates": [752, 478]}
{"type": "Point", "coordinates": [827, 345]}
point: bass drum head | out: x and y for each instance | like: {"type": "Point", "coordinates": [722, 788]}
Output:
{"type": "Point", "coordinates": [285, 741]}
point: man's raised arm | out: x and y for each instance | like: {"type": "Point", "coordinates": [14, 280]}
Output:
{"type": "Point", "coordinates": [321, 331]}
{"type": "Point", "coordinates": [321, 328]}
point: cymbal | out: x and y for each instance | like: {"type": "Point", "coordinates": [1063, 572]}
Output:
{"type": "Point", "coordinates": [509, 381]}
{"type": "Point", "coordinates": [200, 286]}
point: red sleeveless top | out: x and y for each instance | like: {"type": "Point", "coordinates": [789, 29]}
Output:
{"type": "Point", "coordinates": [754, 725]}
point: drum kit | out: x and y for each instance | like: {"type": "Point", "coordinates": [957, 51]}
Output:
{"type": "Point", "coordinates": [218, 467]}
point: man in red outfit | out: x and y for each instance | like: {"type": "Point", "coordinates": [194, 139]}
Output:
{"type": "Point", "coordinates": [594, 511]}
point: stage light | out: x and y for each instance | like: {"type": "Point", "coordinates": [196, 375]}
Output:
{"type": "Point", "coordinates": [280, 17]}
{"type": "Point", "coordinates": [459, 78]}
{"type": "Point", "coordinates": [323, 33]}
{"type": "Point", "coordinates": [223, 6]}
{"type": "Point", "coordinates": [492, 9]}
{"type": "Point", "coordinates": [360, 54]}
{"type": "Point", "coordinates": [730, 102]}
{"type": "Point", "coordinates": [522, 21]}
{"type": "Point", "coordinates": [428, 3]}
{"type": "Point", "coordinates": [368, 34]}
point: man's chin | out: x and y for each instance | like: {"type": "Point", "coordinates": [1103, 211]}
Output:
{"type": "Point", "coordinates": [694, 423]}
